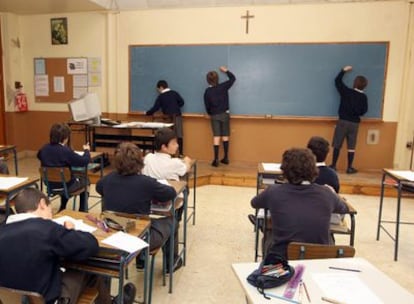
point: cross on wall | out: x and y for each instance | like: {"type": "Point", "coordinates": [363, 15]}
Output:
{"type": "Point", "coordinates": [247, 17]}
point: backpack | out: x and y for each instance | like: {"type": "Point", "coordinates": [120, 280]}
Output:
{"type": "Point", "coordinates": [273, 271]}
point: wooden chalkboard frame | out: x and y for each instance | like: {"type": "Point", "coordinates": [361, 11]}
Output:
{"type": "Point", "coordinates": [380, 86]}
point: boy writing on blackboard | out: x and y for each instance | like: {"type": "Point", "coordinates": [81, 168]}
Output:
{"type": "Point", "coordinates": [353, 104]}
{"type": "Point", "coordinates": [216, 101]}
{"type": "Point", "coordinates": [170, 103]}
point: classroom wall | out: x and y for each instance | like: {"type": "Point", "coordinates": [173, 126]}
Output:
{"type": "Point", "coordinates": [109, 35]}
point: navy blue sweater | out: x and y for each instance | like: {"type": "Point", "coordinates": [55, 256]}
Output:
{"type": "Point", "coordinates": [216, 99]}
{"type": "Point", "coordinates": [353, 104]}
{"type": "Point", "coordinates": [170, 103]}
{"type": "Point", "coordinates": [132, 193]}
{"type": "Point", "coordinates": [31, 251]}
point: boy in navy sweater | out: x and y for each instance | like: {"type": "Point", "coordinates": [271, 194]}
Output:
{"type": "Point", "coordinates": [353, 104]}
{"type": "Point", "coordinates": [216, 101]}
{"type": "Point", "coordinates": [170, 102]}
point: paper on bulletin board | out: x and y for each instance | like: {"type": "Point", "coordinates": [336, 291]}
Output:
{"type": "Point", "coordinates": [94, 65]}
{"type": "Point", "coordinates": [80, 80]}
{"type": "Point", "coordinates": [77, 66]}
{"type": "Point", "coordinates": [41, 85]}
{"type": "Point", "coordinates": [59, 84]}
{"type": "Point", "coordinates": [40, 66]}
{"type": "Point", "coordinates": [78, 92]}
{"type": "Point", "coordinates": [94, 79]}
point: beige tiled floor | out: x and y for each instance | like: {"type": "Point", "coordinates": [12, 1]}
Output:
{"type": "Point", "coordinates": [223, 235]}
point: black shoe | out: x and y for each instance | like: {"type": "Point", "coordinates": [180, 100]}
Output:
{"type": "Point", "coordinates": [252, 219]}
{"type": "Point", "coordinates": [129, 294]}
{"type": "Point", "coordinates": [177, 266]}
{"type": "Point", "coordinates": [215, 163]}
{"type": "Point", "coordinates": [351, 170]}
{"type": "Point", "coordinates": [225, 161]}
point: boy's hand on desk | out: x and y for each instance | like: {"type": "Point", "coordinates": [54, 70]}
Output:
{"type": "Point", "coordinates": [69, 225]}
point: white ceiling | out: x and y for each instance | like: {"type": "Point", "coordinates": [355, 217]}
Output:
{"type": "Point", "coordinates": [67, 6]}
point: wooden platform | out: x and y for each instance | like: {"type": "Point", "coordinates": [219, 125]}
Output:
{"type": "Point", "coordinates": [244, 175]}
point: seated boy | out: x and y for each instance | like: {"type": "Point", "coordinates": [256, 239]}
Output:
{"type": "Point", "coordinates": [161, 164]}
{"type": "Point", "coordinates": [300, 209]}
{"type": "Point", "coordinates": [32, 246]}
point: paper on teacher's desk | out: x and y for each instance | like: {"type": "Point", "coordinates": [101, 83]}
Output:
{"type": "Point", "coordinates": [9, 182]}
{"type": "Point", "coordinates": [345, 287]}
{"type": "Point", "coordinates": [79, 224]}
{"type": "Point", "coordinates": [271, 166]}
{"type": "Point", "coordinates": [408, 175]}
{"type": "Point", "coordinates": [125, 242]}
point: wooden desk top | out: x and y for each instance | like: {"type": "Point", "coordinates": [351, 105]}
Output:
{"type": "Point", "coordinates": [179, 186]}
{"type": "Point", "coordinates": [261, 169]}
{"type": "Point", "coordinates": [6, 147]}
{"type": "Point", "coordinates": [141, 225]}
{"type": "Point", "coordinates": [28, 181]}
{"type": "Point", "coordinates": [400, 175]}
{"type": "Point", "coordinates": [368, 283]}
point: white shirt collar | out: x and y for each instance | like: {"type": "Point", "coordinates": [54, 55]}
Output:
{"type": "Point", "coordinates": [358, 90]}
{"type": "Point", "coordinates": [162, 154]}
{"type": "Point", "coordinates": [20, 217]}
{"type": "Point", "coordinates": [165, 90]}
{"type": "Point", "coordinates": [320, 164]}
{"type": "Point", "coordinates": [305, 183]}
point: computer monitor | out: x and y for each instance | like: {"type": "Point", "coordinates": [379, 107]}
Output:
{"type": "Point", "coordinates": [86, 108]}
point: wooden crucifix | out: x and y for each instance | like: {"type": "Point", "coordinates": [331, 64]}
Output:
{"type": "Point", "coordinates": [247, 17]}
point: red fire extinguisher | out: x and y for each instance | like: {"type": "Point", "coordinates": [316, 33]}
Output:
{"type": "Point", "coordinates": [20, 99]}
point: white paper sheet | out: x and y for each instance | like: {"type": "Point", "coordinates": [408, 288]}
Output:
{"type": "Point", "coordinates": [9, 182]}
{"type": "Point", "coordinates": [271, 166]}
{"type": "Point", "coordinates": [125, 242]}
{"type": "Point", "coordinates": [79, 224]}
{"type": "Point", "coordinates": [345, 288]}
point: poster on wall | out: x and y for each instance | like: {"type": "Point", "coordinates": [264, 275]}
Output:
{"type": "Point", "coordinates": [59, 30]}
{"type": "Point", "coordinates": [41, 85]}
{"type": "Point", "coordinates": [77, 66]}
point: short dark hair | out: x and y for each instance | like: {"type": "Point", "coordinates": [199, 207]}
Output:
{"type": "Point", "coordinates": [212, 78]}
{"type": "Point", "coordinates": [163, 137]}
{"type": "Point", "coordinates": [360, 82]}
{"type": "Point", "coordinates": [162, 83]}
{"type": "Point", "coordinates": [28, 199]}
{"type": "Point", "coordinates": [319, 147]}
{"type": "Point", "coordinates": [299, 165]}
{"type": "Point", "coordinates": [58, 133]}
{"type": "Point", "coordinates": [128, 159]}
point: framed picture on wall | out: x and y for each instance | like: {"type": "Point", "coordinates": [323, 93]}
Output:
{"type": "Point", "coordinates": [59, 30]}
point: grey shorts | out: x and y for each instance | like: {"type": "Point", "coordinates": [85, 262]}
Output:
{"type": "Point", "coordinates": [220, 124]}
{"type": "Point", "coordinates": [177, 120]}
{"type": "Point", "coordinates": [345, 129]}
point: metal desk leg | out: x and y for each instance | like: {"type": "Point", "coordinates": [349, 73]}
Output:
{"type": "Point", "coordinates": [397, 223]}
{"type": "Point", "coordinates": [380, 206]}
{"type": "Point", "coordinates": [194, 191]}
{"type": "Point", "coordinates": [16, 168]}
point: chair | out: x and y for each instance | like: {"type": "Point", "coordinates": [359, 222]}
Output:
{"type": "Point", "coordinates": [62, 175]}
{"type": "Point", "coordinates": [301, 251]}
{"type": "Point", "coordinates": [342, 227]}
{"type": "Point", "coordinates": [16, 296]}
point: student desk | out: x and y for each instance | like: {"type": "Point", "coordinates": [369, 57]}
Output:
{"type": "Point", "coordinates": [268, 174]}
{"type": "Point", "coordinates": [8, 192]}
{"type": "Point", "coordinates": [398, 178]}
{"type": "Point", "coordinates": [110, 262]}
{"type": "Point", "coordinates": [361, 287]}
{"type": "Point", "coordinates": [10, 148]}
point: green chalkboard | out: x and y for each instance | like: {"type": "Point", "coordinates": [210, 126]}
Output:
{"type": "Point", "coordinates": [272, 79]}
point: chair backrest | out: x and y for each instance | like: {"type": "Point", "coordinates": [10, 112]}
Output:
{"type": "Point", "coordinates": [56, 175]}
{"type": "Point", "coordinates": [16, 296]}
{"type": "Point", "coordinates": [300, 251]}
